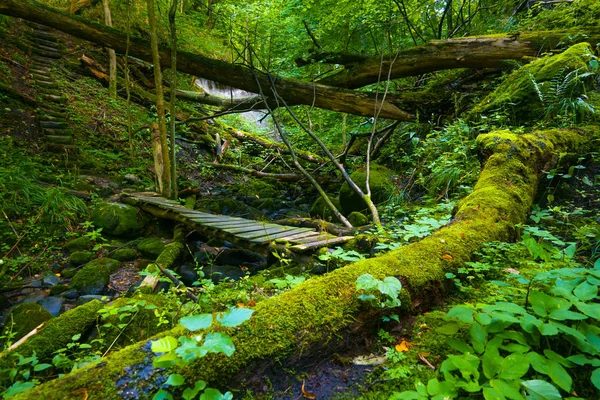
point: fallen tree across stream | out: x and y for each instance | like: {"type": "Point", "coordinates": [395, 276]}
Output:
{"type": "Point", "coordinates": [319, 311]}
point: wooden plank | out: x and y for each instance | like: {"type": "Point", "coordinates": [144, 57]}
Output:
{"type": "Point", "coordinates": [274, 236]}
{"type": "Point", "coordinates": [322, 236]}
{"type": "Point", "coordinates": [240, 224]}
{"type": "Point", "coordinates": [322, 243]}
{"type": "Point", "coordinates": [243, 229]}
{"type": "Point", "coordinates": [303, 235]}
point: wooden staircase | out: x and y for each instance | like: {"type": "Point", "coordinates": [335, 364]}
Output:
{"type": "Point", "coordinates": [240, 231]}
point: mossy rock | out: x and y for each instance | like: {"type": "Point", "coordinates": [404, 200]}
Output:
{"type": "Point", "coordinates": [81, 257]}
{"type": "Point", "coordinates": [118, 219]}
{"type": "Point", "coordinates": [79, 244]}
{"type": "Point", "coordinates": [358, 219]}
{"type": "Point", "coordinates": [151, 247]}
{"type": "Point", "coordinates": [58, 289]}
{"type": "Point", "coordinates": [319, 209]}
{"type": "Point", "coordinates": [94, 276]}
{"type": "Point", "coordinates": [379, 181]}
{"type": "Point", "coordinates": [24, 318]}
{"type": "Point", "coordinates": [519, 93]}
{"type": "Point", "coordinates": [124, 254]}
{"type": "Point", "coordinates": [68, 273]}
{"type": "Point", "coordinates": [258, 189]}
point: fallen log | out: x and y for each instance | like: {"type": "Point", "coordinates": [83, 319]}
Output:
{"type": "Point", "coordinates": [235, 75]}
{"type": "Point", "coordinates": [321, 309]}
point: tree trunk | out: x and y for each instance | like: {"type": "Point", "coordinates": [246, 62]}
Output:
{"type": "Point", "coordinates": [173, 34]}
{"type": "Point", "coordinates": [160, 104]}
{"type": "Point", "coordinates": [318, 311]}
{"type": "Point", "coordinates": [112, 85]}
{"type": "Point", "coordinates": [159, 162]}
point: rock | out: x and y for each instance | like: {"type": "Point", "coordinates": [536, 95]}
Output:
{"type": "Point", "coordinates": [58, 289]}
{"type": "Point", "coordinates": [51, 304]}
{"type": "Point", "coordinates": [70, 294]}
{"type": "Point", "coordinates": [24, 318]}
{"type": "Point", "coordinates": [94, 276]}
{"type": "Point", "coordinates": [519, 94]}
{"type": "Point", "coordinates": [89, 297]}
{"type": "Point", "coordinates": [241, 258]}
{"type": "Point", "coordinates": [188, 274]}
{"type": "Point", "coordinates": [320, 209]}
{"type": "Point", "coordinates": [81, 257]}
{"type": "Point", "coordinates": [69, 272]}
{"type": "Point", "coordinates": [50, 279]}
{"type": "Point", "coordinates": [118, 219]}
{"type": "Point", "coordinates": [379, 181]}
{"type": "Point", "coordinates": [151, 247]}
{"type": "Point", "coordinates": [124, 254]}
{"type": "Point", "coordinates": [132, 179]}
{"type": "Point", "coordinates": [358, 219]}
{"type": "Point", "coordinates": [79, 244]}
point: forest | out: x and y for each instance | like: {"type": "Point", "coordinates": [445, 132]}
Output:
{"type": "Point", "coordinates": [300, 199]}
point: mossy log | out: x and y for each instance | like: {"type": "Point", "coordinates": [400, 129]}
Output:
{"type": "Point", "coordinates": [322, 309]}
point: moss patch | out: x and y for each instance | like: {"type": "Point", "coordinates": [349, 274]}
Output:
{"type": "Point", "coordinates": [81, 257]}
{"type": "Point", "coordinates": [151, 247]}
{"type": "Point", "coordinates": [94, 276]}
{"type": "Point", "coordinates": [118, 219]}
{"type": "Point", "coordinates": [518, 94]}
{"type": "Point", "coordinates": [379, 181]}
{"type": "Point", "coordinates": [358, 219]}
{"type": "Point", "coordinates": [24, 318]}
{"type": "Point", "coordinates": [124, 254]}
{"type": "Point", "coordinates": [79, 244]}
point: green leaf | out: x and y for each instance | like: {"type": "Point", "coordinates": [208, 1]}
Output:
{"type": "Point", "coordinates": [196, 322]}
{"type": "Point", "coordinates": [514, 367]}
{"type": "Point", "coordinates": [366, 282]}
{"type": "Point", "coordinates": [492, 394]}
{"type": "Point", "coordinates": [591, 310]}
{"type": "Point", "coordinates": [190, 393]}
{"type": "Point", "coordinates": [596, 378]}
{"type": "Point", "coordinates": [510, 390]}
{"type": "Point", "coordinates": [164, 345]}
{"type": "Point", "coordinates": [563, 315]}
{"type": "Point", "coordinates": [540, 363]}
{"type": "Point", "coordinates": [217, 342]}
{"type": "Point", "coordinates": [16, 388]}
{"type": "Point", "coordinates": [165, 361]}
{"type": "Point", "coordinates": [448, 329]}
{"type": "Point", "coordinates": [560, 376]}
{"type": "Point", "coordinates": [478, 337]}
{"type": "Point", "coordinates": [461, 313]}
{"type": "Point", "coordinates": [390, 287]}
{"type": "Point", "coordinates": [421, 389]}
{"type": "Point", "coordinates": [407, 395]}
{"type": "Point", "coordinates": [175, 380]}
{"type": "Point", "coordinates": [235, 317]}
{"type": "Point", "coordinates": [541, 303]}
{"type": "Point", "coordinates": [460, 346]}
{"type": "Point", "coordinates": [211, 394]}
{"type": "Point", "coordinates": [585, 291]}
{"type": "Point", "coordinates": [491, 361]}
{"type": "Point", "coordinates": [541, 390]}
{"type": "Point", "coordinates": [162, 394]}
{"type": "Point", "coordinates": [433, 387]}
{"type": "Point", "coordinates": [41, 367]}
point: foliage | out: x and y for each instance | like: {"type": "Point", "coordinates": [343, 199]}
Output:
{"type": "Point", "coordinates": [184, 350]}
{"type": "Point", "coordinates": [380, 293]}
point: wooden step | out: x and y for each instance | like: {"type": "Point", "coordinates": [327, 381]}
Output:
{"type": "Point", "coordinates": [46, 84]}
{"type": "Point", "coordinates": [46, 54]}
{"type": "Point", "coordinates": [53, 125]}
{"type": "Point", "coordinates": [54, 99]}
{"type": "Point", "coordinates": [58, 132]}
{"type": "Point", "coordinates": [323, 243]}
{"type": "Point", "coordinates": [59, 139]}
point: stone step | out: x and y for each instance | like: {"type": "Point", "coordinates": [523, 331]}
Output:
{"type": "Point", "coordinates": [37, 41]}
{"type": "Point", "coordinates": [50, 49]}
{"type": "Point", "coordinates": [45, 84]}
{"type": "Point", "coordinates": [46, 54]}
{"type": "Point", "coordinates": [46, 117]}
{"type": "Point", "coordinates": [58, 132]}
{"type": "Point", "coordinates": [54, 99]}
{"type": "Point", "coordinates": [53, 125]}
{"type": "Point", "coordinates": [59, 139]}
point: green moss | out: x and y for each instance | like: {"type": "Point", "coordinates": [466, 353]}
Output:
{"type": "Point", "coordinates": [58, 289]}
{"type": "Point", "coordinates": [57, 333]}
{"type": "Point", "coordinates": [358, 219]}
{"type": "Point", "coordinates": [151, 247]}
{"type": "Point", "coordinates": [94, 276]}
{"type": "Point", "coordinates": [303, 320]}
{"type": "Point", "coordinates": [81, 257]}
{"type": "Point", "coordinates": [518, 94]}
{"type": "Point", "coordinates": [169, 254]}
{"type": "Point", "coordinates": [24, 318]}
{"type": "Point", "coordinates": [320, 209]}
{"type": "Point", "coordinates": [124, 254]}
{"type": "Point", "coordinates": [79, 244]}
{"type": "Point", "coordinates": [118, 219]}
{"type": "Point", "coordinates": [379, 181]}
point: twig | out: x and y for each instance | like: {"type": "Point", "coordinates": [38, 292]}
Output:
{"type": "Point", "coordinates": [424, 360]}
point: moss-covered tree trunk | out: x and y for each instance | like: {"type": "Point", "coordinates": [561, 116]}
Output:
{"type": "Point", "coordinates": [165, 183]}
{"type": "Point", "coordinates": [321, 309]}
{"type": "Point", "coordinates": [112, 57]}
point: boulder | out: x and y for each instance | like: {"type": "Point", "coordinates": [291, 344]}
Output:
{"type": "Point", "coordinates": [94, 276]}
{"type": "Point", "coordinates": [320, 209]}
{"type": "Point", "coordinates": [79, 244]}
{"type": "Point", "coordinates": [81, 257]}
{"type": "Point", "coordinates": [124, 254]}
{"type": "Point", "coordinates": [358, 219]}
{"type": "Point", "coordinates": [151, 247]}
{"type": "Point", "coordinates": [379, 181]}
{"type": "Point", "coordinates": [118, 219]}
{"type": "Point", "coordinates": [52, 304]}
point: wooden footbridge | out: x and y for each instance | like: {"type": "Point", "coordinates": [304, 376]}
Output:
{"type": "Point", "coordinates": [241, 231]}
